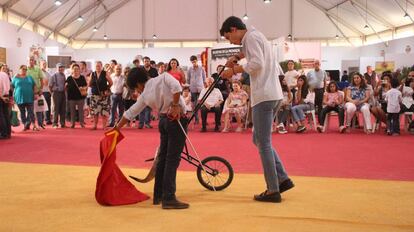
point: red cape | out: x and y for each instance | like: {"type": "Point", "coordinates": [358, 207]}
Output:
{"type": "Point", "coordinates": [112, 187]}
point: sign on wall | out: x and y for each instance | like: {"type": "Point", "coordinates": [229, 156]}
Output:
{"type": "Point", "coordinates": [3, 55]}
{"type": "Point", "coordinates": [224, 52]}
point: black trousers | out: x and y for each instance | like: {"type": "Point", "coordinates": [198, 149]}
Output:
{"type": "Point", "coordinates": [5, 123]}
{"type": "Point", "coordinates": [204, 112]}
{"type": "Point", "coordinates": [328, 109]}
{"type": "Point", "coordinates": [393, 122]}
{"type": "Point", "coordinates": [169, 157]}
{"type": "Point", "coordinates": [48, 98]}
{"type": "Point", "coordinates": [319, 100]}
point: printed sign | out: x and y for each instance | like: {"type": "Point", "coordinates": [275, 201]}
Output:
{"type": "Point", "coordinates": [224, 52]}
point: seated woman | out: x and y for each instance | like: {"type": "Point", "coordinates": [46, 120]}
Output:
{"type": "Point", "coordinates": [357, 96]}
{"type": "Point", "coordinates": [285, 105]}
{"type": "Point", "coordinates": [305, 101]}
{"type": "Point", "coordinates": [379, 109]}
{"type": "Point", "coordinates": [236, 105]}
{"type": "Point", "coordinates": [333, 101]}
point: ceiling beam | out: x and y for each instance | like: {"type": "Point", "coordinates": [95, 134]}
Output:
{"type": "Point", "coordinates": [373, 14]}
{"type": "Point", "coordinates": [101, 17]}
{"type": "Point", "coordinates": [29, 16]}
{"type": "Point", "coordinates": [9, 4]}
{"type": "Point", "coordinates": [339, 29]}
{"type": "Point", "coordinates": [370, 26]}
{"type": "Point", "coordinates": [93, 33]}
{"type": "Point", "coordinates": [338, 19]}
{"type": "Point", "coordinates": [402, 8]}
{"type": "Point", "coordinates": [60, 21]}
{"type": "Point", "coordinates": [341, 3]}
{"type": "Point", "coordinates": [73, 18]}
{"type": "Point", "coordinates": [48, 11]}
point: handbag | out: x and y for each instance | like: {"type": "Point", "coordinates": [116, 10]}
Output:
{"type": "Point", "coordinates": [82, 90]}
{"type": "Point", "coordinates": [14, 120]}
{"type": "Point", "coordinates": [40, 102]}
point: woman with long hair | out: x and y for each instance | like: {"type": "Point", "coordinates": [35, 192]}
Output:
{"type": "Point", "coordinates": [175, 71]}
{"type": "Point", "coordinates": [305, 101]}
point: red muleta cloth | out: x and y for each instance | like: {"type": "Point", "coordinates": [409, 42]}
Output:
{"type": "Point", "coordinates": [112, 187]}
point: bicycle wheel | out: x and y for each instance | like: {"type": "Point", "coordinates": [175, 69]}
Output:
{"type": "Point", "coordinates": [218, 173]}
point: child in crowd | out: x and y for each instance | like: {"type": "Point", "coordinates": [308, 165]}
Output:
{"type": "Point", "coordinates": [187, 98]}
{"type": "Point", "coordinates": [333, 101]}
{"type": "Point", "coordinates": [284, 110]}
{"type": "Point", "coordinates": [393, 98]}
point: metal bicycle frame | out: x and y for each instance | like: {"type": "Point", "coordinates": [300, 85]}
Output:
{"type": "Point", "coordinates": [187, 157]}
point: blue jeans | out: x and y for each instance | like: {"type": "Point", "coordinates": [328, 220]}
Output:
{"type": "Point", "coordinates": [274, 172]}
{"type": "Point", "coordinates": [29, 118]}
{"type": "Point", "coordinates": [116, 103]}
{"type": "Point", "coordinates": [145, 116]}
{"type": "Point", "coordinates": [298, 111]}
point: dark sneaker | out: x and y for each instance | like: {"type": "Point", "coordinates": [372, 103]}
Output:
{"type": "Point", "coordinates": [203, 129]}
{"type": "Point", "coordinates": [174, 204]}
{"type": "Point", "coordinates": [264, 197]}
{"type": "Point", "coordinates": [286, 185]}
{"type": "Point", "coordinates": [140, 126]}
{"type": "Point", "coordinates": [301, 129]}
{"type": "Point", "coordinates": [148, 126]}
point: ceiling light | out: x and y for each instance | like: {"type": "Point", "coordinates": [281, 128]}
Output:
{"type": "Point", "coordinates": [95, 29]}
{"type": "Point", "coordinates": [406, 15]}
{"type": "Point", "coordinates": [222, 37]}
{"type": "Point", "coordinates": [366, 26]}
{"type": "Point", "coordinates": [245, 17]}
{"type": "Point", "coordinates": [80, 18]}
{"type": "Point", "coordinates": [267, 1]}
{"type": "Point", "coordinates": [105, 37]}
{"type": "Point", "coordinates": [58, 3]}
{"type": "Point", "coordinates": [154, 36]}
{"type": "Point", "coordinates": [289, 36]}
{"type": "Point", "coordinates": [337, 37]}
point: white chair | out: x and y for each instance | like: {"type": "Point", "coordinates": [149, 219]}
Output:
{"type": "Point", "coordinates": [326, 123]}
{"type": "Point", "coordinates": [312, 113]}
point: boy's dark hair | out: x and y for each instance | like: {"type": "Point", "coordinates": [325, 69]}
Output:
{"type": "Point", "coordinates": [230, 22]}
{"type": "Point", "coordinates": [136, 76]}
{"type": "Point", "coordinates": [114, 61]}
{"type": "Point", "coordinates": [152, 62]}
{"type": "Point", "coordinates": [395, 82]}
{"type": "Point", "coordinates": [146, 58]}
{"type": "Point", "coordinates": [193, 57]}
{"type": "Point", "coordinates": [83, 62]}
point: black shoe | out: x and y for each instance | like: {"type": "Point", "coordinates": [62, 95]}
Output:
{"type": "Point", "coordinates": [49, 123]}
{"type": "Point", "coordinates": [140, 126]}
{"type": "Point", "coordinates": [156, 201]}
{"type": "Point", "coordinates": [174, 204]}
{"type": "Point", "coordinates": [301, 129]}
{"type": "Point", "coordinates": [264, 197]}
{"type": "Point", "coordinates": [217, 129]}
{"type": "Point", "coordinates": [203, 129]}
{"type": "Point", "coordinates": [43, 126]}
{"type": "Point", "coordinates": [286, 185]}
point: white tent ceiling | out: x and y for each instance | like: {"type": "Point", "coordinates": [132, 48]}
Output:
{"type": "Point", "coordinates": [199, 20]}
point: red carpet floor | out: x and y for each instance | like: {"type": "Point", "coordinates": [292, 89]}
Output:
{"type": "Point", "coordinates": [352, 155]}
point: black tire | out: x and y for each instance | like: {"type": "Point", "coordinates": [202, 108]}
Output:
{"type": "Point", "coordinates": [222, 173]}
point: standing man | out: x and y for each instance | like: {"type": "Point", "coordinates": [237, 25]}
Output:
{"type": "Point", "coordinates": [164, 94]}
{"type": "Point", "coordinates": [117, 88]}
{"type": "Point", "coordinates": [46, 91]}
{"type": "Point", "coordinates": [196, 76]}
{"type": "Point", "coordinates": [266, 97]}
{"type": "Point", "coordinates": [36, 73]}
{"type": "Point", "coordinates": [371, 77]}
{"type": "Point", "coordinates": [57, 87]}
{"type": "Point", "coordinates": [145, 115]}
{"type": "Point", "coordinates": [5, 124]}
{"type": "Point", "coordinates": [317, 81]}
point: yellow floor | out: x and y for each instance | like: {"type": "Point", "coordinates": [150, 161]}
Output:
{"type": "Point", "coordinates": [36, 197]}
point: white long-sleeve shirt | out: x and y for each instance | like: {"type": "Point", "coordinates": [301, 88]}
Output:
{"type": "Point", "coordinates": [158, 95]}
{"type": "Point", "coordinates": [262, 67]}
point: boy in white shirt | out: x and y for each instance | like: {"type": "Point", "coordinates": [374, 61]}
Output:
{"type": "Point", "coordinates": [393, 98]}
{"type": "Point", "coordinates": [162, 93]}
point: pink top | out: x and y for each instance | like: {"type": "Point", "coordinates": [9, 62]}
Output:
{"type": "Point", "coordinates": [177, 75]}
{"type": "Point", "coordinates": [333, 97]}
